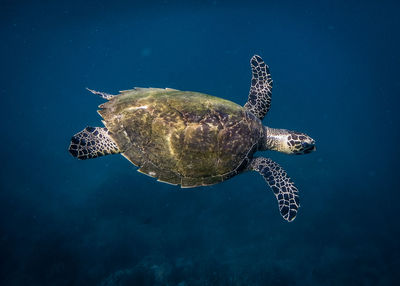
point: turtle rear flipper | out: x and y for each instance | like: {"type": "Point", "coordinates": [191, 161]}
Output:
{"type": "Point", "coordinates": [103, 95]}
{"type": "Point", "coordinates": [284, 189]}
{"type": "Point", "coordinates": [92, 142]}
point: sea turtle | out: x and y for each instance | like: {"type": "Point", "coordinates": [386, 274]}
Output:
{"type": "Point", "coordinates": [192, 139]}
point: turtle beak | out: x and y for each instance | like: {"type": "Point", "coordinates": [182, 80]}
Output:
{"type": "Point", "coordinates": [309, 146]}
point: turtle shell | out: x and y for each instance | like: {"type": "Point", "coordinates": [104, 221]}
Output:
{"type": "Point", "coordinates": [182, 137]}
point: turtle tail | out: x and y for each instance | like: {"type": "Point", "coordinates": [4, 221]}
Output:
{"type": "Point", "coordinates": [92, 142]}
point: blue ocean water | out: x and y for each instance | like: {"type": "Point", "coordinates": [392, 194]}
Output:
{"type": "Point", "coordinates": [99, 222]}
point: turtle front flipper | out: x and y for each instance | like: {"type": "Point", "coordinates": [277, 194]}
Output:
{"type": "Point", "coordinates": [259, 100]}
{"type": "Point", "coordinates": [92, 142]}
{"type": "Point", "coordinates": [284, 189]}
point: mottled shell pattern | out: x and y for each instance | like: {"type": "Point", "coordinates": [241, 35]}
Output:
{"type": "Point", "coordinates": [180, 137]}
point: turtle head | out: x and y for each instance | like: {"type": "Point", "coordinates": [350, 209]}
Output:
{"type": "Point", "coordinates": [300, 143]}
{"type": "Point", "coordinates": [289, 142]}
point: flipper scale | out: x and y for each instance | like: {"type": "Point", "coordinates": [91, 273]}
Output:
{"type": "Point", "coordinates": [92, 142]}
{"type": "Point", "coordinates": [259, 100]}
{"type": "Point", "coordinates": [281, 185]}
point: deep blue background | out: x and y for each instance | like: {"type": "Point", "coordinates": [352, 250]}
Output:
{"type": "Point", "coordinates": [335, 66]}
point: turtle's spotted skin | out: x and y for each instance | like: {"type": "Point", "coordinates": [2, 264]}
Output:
{"type": "Point", "coordinates": [184, 138]}
{"type": "Point", "coordinates": [296, 141]}
{"type": "Point", "coordinates": [259, 101]}
{"type": "Point", "coordinates": [284, 189]}
{"type": "Point", "coordinates": [193, 139]}
{"type": "Point", "coordinates": [92, 142]}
